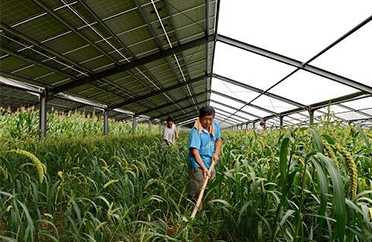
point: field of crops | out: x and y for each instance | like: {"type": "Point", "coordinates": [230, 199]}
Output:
{"type": "Point", "coordinates": [24, 125]}
{"type": "Point", "coordinates": [293, 184]}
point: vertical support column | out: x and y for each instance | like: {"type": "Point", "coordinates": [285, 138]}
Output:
{"type": "Point", "coordinates": [42, 115]}
{"type": "Point", "coordinates": [311, 114]}
{"type": "Point", "coordinates": [150, 126]}
{"type": "Point", "coordinates": [246, 125]}
{"type": "Point", "coordinates": [254, 125]}
{"type": "Point", "coordinates": [134, 125]}
{"type": "Point", "coordinates": [281, 121]}
{"type": "Point", "coordinates": [105, 121]}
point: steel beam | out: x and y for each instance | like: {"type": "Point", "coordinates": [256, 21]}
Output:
{"type": "Point", "coordinates": [273, 114]}
{"type": "Point", "coordinates": [170, 103]}
{"type": "Point", "coordinates": [35, 43]}
{"type": "Point", "coordinates": [19, 86]}
{"type": "Point", "coordinates": [260, 91]}
{"type": "Point", "coordinates": [134, 125]}
{"type": "Point", "coordinates": [242, 111]}
{"type": "Point", "coordinates": [355, 110]}
{"type": "Point", "coordinates": [130, 65]}
{"type": "Point", "coordinates": [152, 94]}
{"type": "Point", "coordinates": [178, 118]}
{"type": "Point", "coordinates": [36, 62]}
{"type": "Point", "coordinates": [230, 115]}
{"type": "Point", "coordinates": [295, 63]}
{"type": "Point", "coordinates": [76, 31]}
{"type": "Point", "coordinates": [42, 116]}
{"type": "Point", "coordinates": [105, 121]}
{"type": "Point", "coordinates": [245, 103]}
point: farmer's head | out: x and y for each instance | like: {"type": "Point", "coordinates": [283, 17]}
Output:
{"type": "Point", "coordinates": [206, 116]}
{"type": "Point", "coordinates": [169, 122]}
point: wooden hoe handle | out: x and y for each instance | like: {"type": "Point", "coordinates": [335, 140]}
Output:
{"type": "Point", "coordinates": [201, 193]}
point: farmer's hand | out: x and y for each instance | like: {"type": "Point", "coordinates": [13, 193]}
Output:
{"type": "Point", "coordinates": [215, 158]}
{"type": "Point", "coordinates": [206, 173]}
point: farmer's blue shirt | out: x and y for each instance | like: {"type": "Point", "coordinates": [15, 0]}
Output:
{"type": "Point", "coordinates": [204, 142]}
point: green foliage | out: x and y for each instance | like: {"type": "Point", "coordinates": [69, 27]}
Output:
{"type": "Point", "coordinates": [23, 125]}
{"type": "Point", "coordinates": [278, 186]}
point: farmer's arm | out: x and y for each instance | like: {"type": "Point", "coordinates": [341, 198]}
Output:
{"type": "Point", "coordinates": [167, 142]}
{"type": "Point", "coordinates": [217, 150]}
{"type": "Point", "coordinates": [198, 159]}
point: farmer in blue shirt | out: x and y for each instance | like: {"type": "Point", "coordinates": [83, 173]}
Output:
{"type": "Point", "coordinates": [204, 147]}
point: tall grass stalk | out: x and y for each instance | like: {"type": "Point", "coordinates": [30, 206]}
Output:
{"type": "Point", "coordinates": [278, 186]}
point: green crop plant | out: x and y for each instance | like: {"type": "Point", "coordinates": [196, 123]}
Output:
{"type": "Point", "coordinates": [22, 125]}
{"type": "Point", "coordinates": [282, 185]}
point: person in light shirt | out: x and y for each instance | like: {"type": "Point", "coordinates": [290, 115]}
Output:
{"type": "Point", "coordinates": [262, 126]}
{"type": "Point", "coordinates": [170, 135]}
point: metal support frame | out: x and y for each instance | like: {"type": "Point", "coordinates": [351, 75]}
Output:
{"type": "Point", "coordinates": [311, 116]}
{"type": "Point", "coordinates": [73, 29]}
{"type": "Point", "coordinates": [259, 91]}
{"type": "Point", "coordinates": [242, 111]}
{"type": "Point", "coordinates": [132, 64]}
{"type": "Point", "coordinates": [32, 44]}
{"type": "Point", "coordinates": [169, 43]}
{"type": "Point", "coordinates": [301, 65]}
{"type": "Point", "coordinates": [152, 94]}
{"type": "Point", "coordinates": [232, 120]}
{"type": "Point", "coordinates": [295, 63]}
{"type": "Point", "coordinates": [234, 116]}
{"type": "Point", "coordinates": [105, 122]}
{"type": "Point", "coordinates": [247, 47]}
{"type": "Point", "coordinates": [42, 115]}
{"type": "Point", "coordinates": [181, 118]}
{"type": "Point", "coordinates": [273, 114]}
{"type": "Point", "coordinates": [221, 119]}
{"type": "Point", "coordinates": [214, 45]}
{"type": "Point", "coordinates": [245, 103]}
{"type": "Point", "coordinates": [175, 101]}
{"type": "Point", "coordinates": [150, 126]}
{"type": "Point", "coordinates": [281, 117]}
{"type": "Point", "coordinates": [354, 110]}
{"type": "Point", "coordinates": [134, 125]}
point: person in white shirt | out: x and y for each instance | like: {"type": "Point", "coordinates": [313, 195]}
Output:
{"type": "Point", "coordinates": [262, 126]}
{"type": "Point", "coordinates": [170, 135]}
